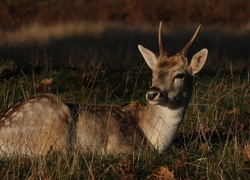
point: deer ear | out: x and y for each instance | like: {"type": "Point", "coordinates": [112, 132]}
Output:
{"type": "Point", "coordinates": [197, 62]}
{"type": "Point", "coordinates": [148, 56]}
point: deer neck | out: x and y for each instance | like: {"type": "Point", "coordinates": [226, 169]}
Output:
{"type": "Point", "coordinates": [160, 124]}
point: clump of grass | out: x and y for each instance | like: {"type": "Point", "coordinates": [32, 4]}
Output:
{"type": "Point", "coordinates": [213, 142]}
{"type": "Point", "coordinates": [217, 128]}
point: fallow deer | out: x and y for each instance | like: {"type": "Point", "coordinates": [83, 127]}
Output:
{"type": "Point", "coordinates": [44, 122]}
{"type": "Point", "coordinates": [153, 126]}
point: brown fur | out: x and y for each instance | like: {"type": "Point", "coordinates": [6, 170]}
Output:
{"type": "Point", "coordinates": [116, 128]}
{"type": "Point", "coordinates": [35, 126]}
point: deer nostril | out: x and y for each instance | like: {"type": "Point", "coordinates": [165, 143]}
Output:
{"type": "Point", "coordinates": [151, 95]}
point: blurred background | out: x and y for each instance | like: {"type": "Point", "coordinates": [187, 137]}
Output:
{"type": "Point", "coordinates": [81, 33]}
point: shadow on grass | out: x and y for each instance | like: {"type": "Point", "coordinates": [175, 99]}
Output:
{"type": "Point", "coordinates": [116, 46]}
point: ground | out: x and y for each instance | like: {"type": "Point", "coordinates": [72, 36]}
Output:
{"type": "Point", "coordinates": [86, 51]}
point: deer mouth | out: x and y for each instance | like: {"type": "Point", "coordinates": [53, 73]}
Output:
{"type": "Point", "coordinates": [157, 98]}
{"type": "Point", "coordinates": [160, 101]}
{"type": "Point", "coordinates": [154, 102]}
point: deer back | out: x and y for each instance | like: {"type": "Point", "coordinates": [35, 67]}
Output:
{"type": "Point", "coordinates": [35, 126]}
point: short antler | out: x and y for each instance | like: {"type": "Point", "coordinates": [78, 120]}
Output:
{"type": "Point", "coordinates": [161, 48]}
{"type": "Point", "coordinates": [186, 48]}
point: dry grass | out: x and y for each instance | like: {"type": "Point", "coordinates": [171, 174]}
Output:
{"type": "Point", "coordinates": [213, 142]}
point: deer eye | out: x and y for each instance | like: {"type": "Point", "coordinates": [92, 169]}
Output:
{"type": "Point", "coordinates": [180, 76]}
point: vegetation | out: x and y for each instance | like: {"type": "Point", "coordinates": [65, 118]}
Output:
{"type": "Point", "coordinates": [213, 142]}
{"type": "Point", "coordinates": [45, 47]}
{"type": "Point", "coordinates": [15, 14]}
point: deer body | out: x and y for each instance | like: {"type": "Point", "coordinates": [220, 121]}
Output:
{"type": "Point", "coordinates": [110, 129]}
{"type": "Point", "coordinates": [44, 122]}
{"type": "Point", "coordinates": [146, 128]}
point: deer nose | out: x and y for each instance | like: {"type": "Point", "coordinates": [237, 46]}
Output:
{"type": "Point", "coordinates": [152, 94]}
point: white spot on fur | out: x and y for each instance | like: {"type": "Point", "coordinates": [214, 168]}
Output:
{"type": "Point", "coordinates": [16, 116]}
{"type": "Point", "coordinates": [6, 123]}
{"type": "Point", "coordinates": [3, 119]}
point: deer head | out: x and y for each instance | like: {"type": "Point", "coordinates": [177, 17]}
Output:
{"type": "Point", "coordinates": [172, 76]}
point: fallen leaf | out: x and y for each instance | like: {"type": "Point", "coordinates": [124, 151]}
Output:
{"type": "Point", "coordinates": [37, 85]}
{"type": "Point", "coordinates": [246, 152]}
{"type": "Point", "coordinates": [126, 168]}
{"type": "Point", "coordinates": [179, 164]}
{"type": "Point", "coordinates": [47, 81]}
{"type": "Point", "coordinates": [163, 173]}
{"type": "Point", "coordinates": [234, 111]}
{"type": "Point", "coordinates": [132, 105]}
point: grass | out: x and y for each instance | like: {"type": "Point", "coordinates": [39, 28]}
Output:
{"type": "Point", "coordinates": [81, 44]}
{"type": "Point", "coordinates": [213, 142]}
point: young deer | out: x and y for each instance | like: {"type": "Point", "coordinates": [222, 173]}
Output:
{"type": "Point", "coordinates": [110, 128]}
{"type": "Point", "coordinates": [44, 123]}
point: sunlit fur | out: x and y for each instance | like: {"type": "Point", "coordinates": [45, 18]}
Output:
{"type": "Point", "coordinates": [36, 126]}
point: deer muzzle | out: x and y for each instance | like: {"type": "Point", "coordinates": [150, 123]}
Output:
{"type": "Point", "coordinates": [154, 94]}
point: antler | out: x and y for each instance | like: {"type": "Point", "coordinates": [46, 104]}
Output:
{"type": "Point", "coordinates": [161, 48]}
{"type": "Point", "coordinates": [186, 48]}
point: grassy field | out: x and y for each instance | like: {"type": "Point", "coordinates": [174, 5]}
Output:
{"type": "Point", "coordinates": [213, 142]}
{"type": "Point", "coordinates": [103, 65]}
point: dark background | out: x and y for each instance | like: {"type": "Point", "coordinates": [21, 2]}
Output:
{"type": "Point", "coordinates": [125, 24]}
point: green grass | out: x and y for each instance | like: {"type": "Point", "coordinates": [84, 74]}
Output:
{"type": "Point", "coordinates": [211, 144]}
{"type": "Point", "coordinates": [214, 140]}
